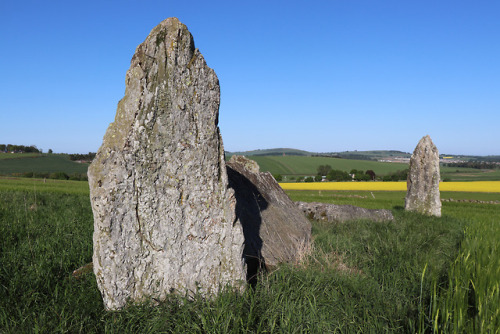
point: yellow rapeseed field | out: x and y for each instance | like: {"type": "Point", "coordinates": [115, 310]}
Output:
{"type": "Point", "coordinates": [474, 186]}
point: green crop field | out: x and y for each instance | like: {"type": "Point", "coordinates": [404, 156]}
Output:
{"type": "Point", "coordinates": [45, 163]}
{"type": "Point", "coordinates": [470, 174]}
{"type": "Point", "coordinates": [41, 185]}
{"type": "Point", "coordinates": [6, 156]}
{"type": "Point", "coordinates": [288, 166]}
{"type": "Point", "coordinates": [413, 274]}
{"type": "Point", "coordinates": [303, 165]}
{"type": "Point", "coordinates": [295, 166]}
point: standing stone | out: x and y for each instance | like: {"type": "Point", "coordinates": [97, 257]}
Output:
{"type": "Point", "coordinates": [164, 217]}
{"type": "Point", "coordinates": [276, 231]}
{"type": "Point", "coordinates": [423, 179]}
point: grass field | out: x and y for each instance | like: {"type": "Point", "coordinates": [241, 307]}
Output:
{"type": "Point", "coordinates": [6, 156]}
{"type": "Point", "coordinates": [470, 174]}
{"type": "Point", "coordinates": [360, 276]}
{"type": "Point", "coordinates": [288, 166]}
{"type": "Point", "coordinates": [466, 298]}
{"type": "Point", "coordinates": [46, 163]}
{"type": "Point", "coordinates": [295, 166]}
{"type": "Point", "coordinates": [40, 185]}
{"type": "Point", "coordinates": [299, 165]}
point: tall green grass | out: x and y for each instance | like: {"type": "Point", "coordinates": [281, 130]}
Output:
{"type": "Point", "coordinates": [44, 236]}
{"type": "Point", "coordinates": [469, 302]}
{"type": "Point", "coordinates": [360, 276]}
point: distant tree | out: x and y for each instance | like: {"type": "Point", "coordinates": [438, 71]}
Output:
{"type": "Point", "coordinates": [59, 176]}
{"type": "Point", "coordinates": [318, 178]}
{"type": "Point", "coordinates": [19, 148]}
{"type": "Point", "coordinates": [323, 170]}
{"type": "Point", "coordinates": [309, 179]}
{"type": "Point", "coordinates": [400, 175]}
{"type": "Point", "coordinates": [84, 157]}
{"type": "Point", "coordinates": [31, 149]}
{"type": "Point", "coordinates": [359, 175]}
{"type": "Point", "coordinates": [365, 177]}
{"type": "Point", "coordinates": [278, 177]}
{"type": "Point", "coordinates": [371, 174]}
{"type": "Point", "coordinates": [300, 179]}
{"type": "Point", "coordinates": [50, 151]}
{"type": "Point", "coordinates": [338, 175]}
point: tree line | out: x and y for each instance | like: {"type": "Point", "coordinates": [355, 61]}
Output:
{"type": "Point", "coordinates": [85, 157]}
{"type": "Point", "coordinates": [357, 175]}
{"type": "Point", "coordinates": [330, 174]}
{"type": "Point", "coordinates": [19, 148]}
{"type": "Point", "coordinates": [473, 164]}
{"type": "Point", "coordinates": [340, 175]}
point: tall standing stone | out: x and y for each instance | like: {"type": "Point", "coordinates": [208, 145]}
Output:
{"type": "Point", "coordinates": [164, 217]}
{"type": "Point", "coordinates": [423, 179]}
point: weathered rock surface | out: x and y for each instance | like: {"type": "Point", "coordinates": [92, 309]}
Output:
{"type": "Point", "coordinates": [423, 179]}
{"type": "Point", "coordinates": [341, 213]}
{"type": "Point", "coordinates": [164, 217]}
{"type": "Point", "coordinates": [275, 229]}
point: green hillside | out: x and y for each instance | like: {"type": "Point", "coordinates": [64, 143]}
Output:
{"type": "Point", "coordinates": [294, 166]}
{"type": "Point", "coordinates": [366, 155]}
{"type": "Point", "coordinates": [302, 165]}
{"type": "Point", "coordinates": [40, 163]}
{"type": "Point", "coordinates": [288, 165]}
{"type": "Point", "coordinates": [271, 151]}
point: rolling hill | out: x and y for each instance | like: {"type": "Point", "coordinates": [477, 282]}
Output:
{"type": "Point", "coordinates": [290, 163]}
{"type": "Point", "coordinates": [39, 163]}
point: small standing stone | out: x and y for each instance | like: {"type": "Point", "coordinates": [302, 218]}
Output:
{"type": "Point", "coordinates": [423, 180]}
{"type": "Point", "coordinates": [164, 216]}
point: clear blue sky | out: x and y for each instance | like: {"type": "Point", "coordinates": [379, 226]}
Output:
{"type": "Point", "coordinates": [321, 76]}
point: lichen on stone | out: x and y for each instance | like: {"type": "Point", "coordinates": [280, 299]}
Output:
{"type": "Point", "coordinates": [154, 185]}
{"type": "Point", "coordinates": [423, 179]}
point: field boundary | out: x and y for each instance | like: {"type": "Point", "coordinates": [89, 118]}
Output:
{"type": "Point", "coordinates": [472, 186]}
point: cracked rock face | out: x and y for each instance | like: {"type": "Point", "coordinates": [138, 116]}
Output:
{"type": "Point", "coordinates": [164, 217]}
{"type": "Point", "coordinates": [423, 179]}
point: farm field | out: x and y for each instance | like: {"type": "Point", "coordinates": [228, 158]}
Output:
{"type": "Point", "coordinates": [478, 186]}
{"type": "Point", "coordinates": [300, 165]}
{"type": "Point", "coordinates": [6, 156]}
{"type": "Point", "coordinates": [359, 277]}
{"type": "Point", "coordinates": [40, 185]}
{"type": "Point", "coordinates": [45, 163]}
{"type": "Point", "coordinates": [290, 167]}
{"type": "Point", "coordinates": [469, 174]}
{"type": "Point", "coordinates": [466, 298]}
